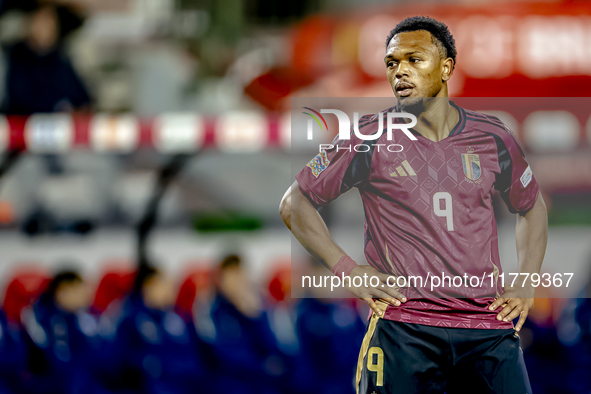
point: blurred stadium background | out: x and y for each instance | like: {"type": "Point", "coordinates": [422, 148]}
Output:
{"type": "Point", "coordinates": [156, 133]}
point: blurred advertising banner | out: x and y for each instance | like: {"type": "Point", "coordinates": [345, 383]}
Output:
{"type": "Point", "coordinates": [520, 49]}
{"type": "Point", "coordinates": [555, 132]}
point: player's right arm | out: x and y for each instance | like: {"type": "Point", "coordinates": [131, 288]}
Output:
{"type": "Point", "coordinates": [308, 227]}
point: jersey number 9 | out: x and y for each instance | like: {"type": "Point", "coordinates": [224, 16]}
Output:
{"type": "Point", "coordinates": [378, 366]}
{"type": "Point", "coordinates": [447, 212]}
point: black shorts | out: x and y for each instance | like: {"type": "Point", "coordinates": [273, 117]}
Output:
{"type": "Point", "coordinates": [407, 358]}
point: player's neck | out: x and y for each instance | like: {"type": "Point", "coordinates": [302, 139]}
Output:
{"type": "Point", "coordinates": [437, 120]}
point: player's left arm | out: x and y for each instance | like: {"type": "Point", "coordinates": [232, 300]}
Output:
{"type": "Point", "coordinates": [520, 191]}
{"type": "Point", "coordinates": [531, 235]}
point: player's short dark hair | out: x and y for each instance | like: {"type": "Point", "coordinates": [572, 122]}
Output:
{"type": "Point", "coordinates": [440, 34]}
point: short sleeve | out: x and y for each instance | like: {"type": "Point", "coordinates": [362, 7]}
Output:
{"type": "Point", "coordinates": [332, 172]}
{"type": "Point", "coordinates": [515, 181]}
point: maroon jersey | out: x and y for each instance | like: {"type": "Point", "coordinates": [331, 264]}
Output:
{"type": "Point", "coordinates": [428, 211]}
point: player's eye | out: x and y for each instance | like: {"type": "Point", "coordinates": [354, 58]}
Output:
{"type": "Point", "coordinates": [414, 60]}
{"type": "Point", "coordinates": [390, 64]}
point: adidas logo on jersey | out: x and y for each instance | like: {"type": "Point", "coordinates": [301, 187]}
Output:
{"type": "Point", "coordinates": [404, 170]}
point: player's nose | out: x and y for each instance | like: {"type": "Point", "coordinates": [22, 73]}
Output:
{"type": "Point", "coordinates": [402, 70]}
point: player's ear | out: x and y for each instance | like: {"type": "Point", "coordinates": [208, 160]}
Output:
{"type": "Point", "coordinates": [447, 69]}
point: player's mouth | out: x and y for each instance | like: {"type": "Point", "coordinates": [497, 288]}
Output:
{"type": "Point", "coordinates": [404, 89]}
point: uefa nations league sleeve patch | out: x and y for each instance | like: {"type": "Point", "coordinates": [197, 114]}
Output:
{"type": "Point", "coordinates": [526, 177]}
{"type": "Point", "coordinates": [319, 163]}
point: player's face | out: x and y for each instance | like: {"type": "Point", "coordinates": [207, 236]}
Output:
{"type": "Point", "coordinates": [415, 68]}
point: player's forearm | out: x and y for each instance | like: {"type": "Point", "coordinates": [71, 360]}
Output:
{"type": "Point", "coordinates": [308, 227]}
{"type": "Point", "coordinates": [531, 235]}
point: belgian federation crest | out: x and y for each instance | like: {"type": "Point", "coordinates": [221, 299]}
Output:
{"type": "Point", "coordinates": [471, 165]}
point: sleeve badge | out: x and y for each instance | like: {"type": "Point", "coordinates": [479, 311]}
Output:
{"type": "Point", "coordinates": [319, 163]}
{"type": "Point", "coordinates": [526, 177]}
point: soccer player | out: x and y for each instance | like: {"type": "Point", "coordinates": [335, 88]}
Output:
{"type": "Point", "coordinates": [428, 211]}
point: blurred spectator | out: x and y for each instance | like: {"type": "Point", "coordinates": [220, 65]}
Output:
{"type": "Point", "coordinates": [40, 76]}
{"type": "Point", "coordinates": [282, 313]}
{"type": "Point", "coordinates": [62, 339]}
{"type": "Point", "coordinates": [541, 346]}
{"type": "Point", "coordinates": [156, 350]}
{"type": "Point", "coordinates": [12, 355]}
{"type": "Point", "coordinates": [28, 283]}
{"type": "Point", "coordinates": [18, 5]}
{"type": "Point", "coordinates": [574, 332]}
{"type": "Point", "coordinates": [114, 286]}
{"type": "Point", "coordinates": [196, 291]}
{"type": "Point", "coordinates": [247, 357]}
{"type": "Point", "coordinates": [330, 332]}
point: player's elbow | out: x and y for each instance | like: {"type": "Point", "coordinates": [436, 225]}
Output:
{"type": "Point", "coordinates": [539, 210]}
{"type": "Point", "coordinates": [285, 208]}
{"type": "Point", "coordinates": [536, 217]}
{"type": "Point", "coordinates": [542, 204]}
{"type": "Point", "coordinates": [542, 210]}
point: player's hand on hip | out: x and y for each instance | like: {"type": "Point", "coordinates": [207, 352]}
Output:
{"type": "Point", "coordinates": [383, 288]}
{"type": "Point", "coordinates": [517, 301]}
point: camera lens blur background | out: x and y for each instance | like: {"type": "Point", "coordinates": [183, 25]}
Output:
{"type": "Point", "coordinates": [145, 146]}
